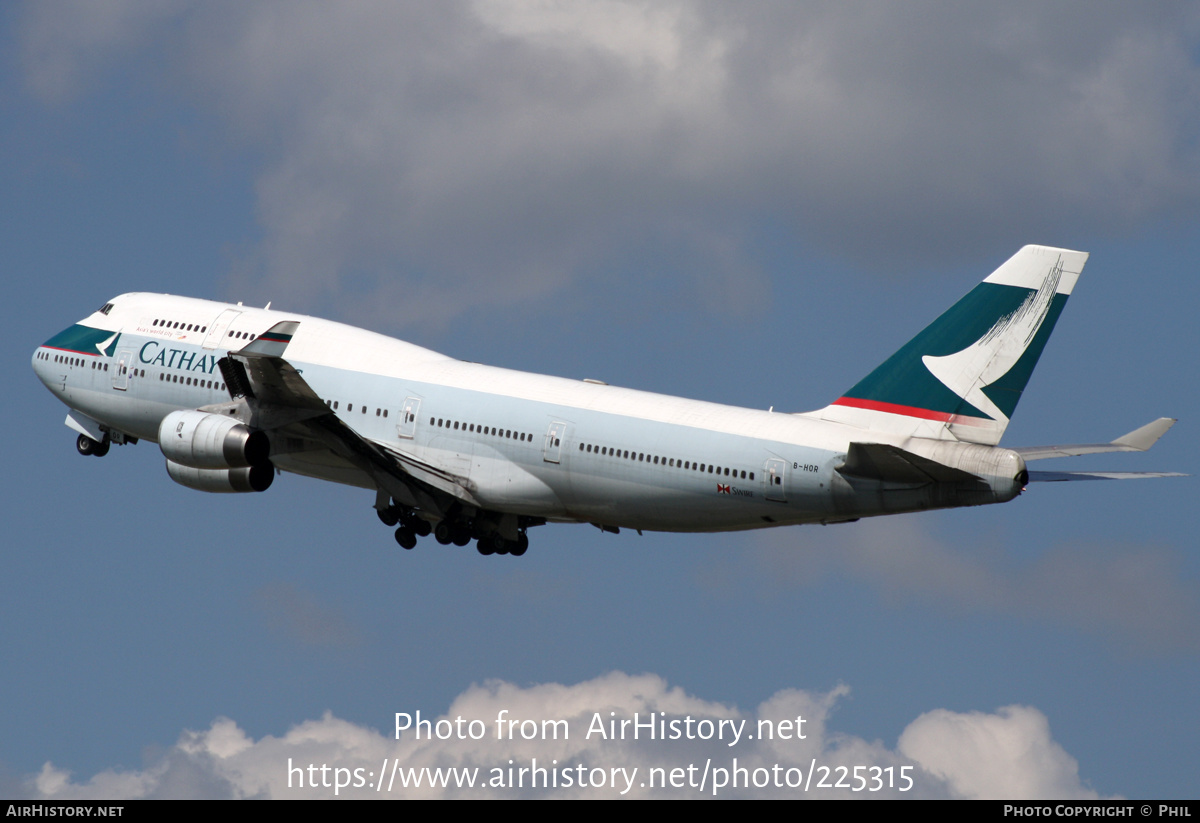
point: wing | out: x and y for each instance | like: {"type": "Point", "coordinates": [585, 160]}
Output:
{"type": "Point", "coordinates": [282, 403]}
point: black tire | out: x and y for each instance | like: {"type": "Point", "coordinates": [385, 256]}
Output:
{"type": "Point", "coordinates": [101, 448]}
{"type": "Point", "coordinates": [421, 527]}
{"type": "Point", "coordinates": [521, 546]}
{"type": "Point", "coordinates": [443, 534]}
{"type": "Point", "coordinates": [406, 538]}
{"type": "Point", "coordinates": [484, 546]}
{"type": "Point", "coordinates": [389, 516]}
{"type": "Point", "coordinates": [86, 445]}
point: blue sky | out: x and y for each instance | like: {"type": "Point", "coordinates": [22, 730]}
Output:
{"type": "Point", "coordinates": [751, 204]}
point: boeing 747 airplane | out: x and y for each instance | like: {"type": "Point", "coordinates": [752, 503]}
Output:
{"type": "Point", "coordinates": [233, 395]}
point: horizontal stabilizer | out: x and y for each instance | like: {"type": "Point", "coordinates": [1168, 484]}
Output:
{"type": "Point", "coordinates": [879, 461]}
{"type": "Point", "coordinates": [1138, 440]}
{"type": "Point", "coordinates": [1056, 477]}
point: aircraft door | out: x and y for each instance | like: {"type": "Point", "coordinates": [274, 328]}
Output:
{"type": "Point", "coordinates": [407, 427]}
{"type": "Point", "coordinates": [552, 451]}
{"type": "Point", "coordinates": [216, 332]}
{"type": "Point", "coordinates": [120, 375]}
{"type": "Point", "coordinates": [776, 477]}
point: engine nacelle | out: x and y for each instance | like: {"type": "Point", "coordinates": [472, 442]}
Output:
{"type": "Point", "coordinates": [211, 441]}
{"type": "Point", "coordinates": [256, 478]}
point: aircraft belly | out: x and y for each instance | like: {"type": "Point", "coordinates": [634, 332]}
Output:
{"type": "Point", "coordinates": [323, 465]}
{"type": "Point", "coordinates": [612, 501]}
{"type": "Point", "coordinates": [501, 485]}
{"type": "Point", "coordinates": [139, 418]}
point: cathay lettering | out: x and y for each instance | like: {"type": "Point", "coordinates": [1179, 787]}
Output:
{"type": "Point", "coordinates": [153, 353]}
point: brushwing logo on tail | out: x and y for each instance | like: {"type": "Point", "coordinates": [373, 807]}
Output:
{"type": "Point", "coordinates": [969, 371]}
{"type": "Point", "coordinates": [962, 377]}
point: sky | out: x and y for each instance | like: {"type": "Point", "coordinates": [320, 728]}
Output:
{"type": "Point", "coordinates": [750, 203]}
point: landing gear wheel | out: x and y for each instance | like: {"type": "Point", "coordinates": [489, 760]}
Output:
{"type": "Point", "coordinates": [443, 534]}
{"type": "Point", "coordinates": [89, 447]}
{"type": "Point", "coordinates": [421, 527]}
{"type": "Point", "coordinates": [405, 537]}
{"type": "Point", "coordinates": [494, 544]}
{"type": "Point", "coordinates": [388, 516]}
{"type": "Point", "coordinates": [521, 546]}
{"type": "Point", "coordinates": [460, 536]}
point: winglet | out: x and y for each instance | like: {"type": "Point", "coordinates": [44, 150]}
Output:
{"type": "Point", "coordinates": [1145, 437]}
{"type": "Point", "coordinates": [273, 341]}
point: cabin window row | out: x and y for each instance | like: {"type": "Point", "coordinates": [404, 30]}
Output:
{"type": "Point", "coordinates": [472, 428]}
{"type": "Point", "coordinates": [179, 324]}
{"type": "Point", "coordinates": [669, 462]}
{"type": "Point", "coordinates": [362, 407]}
{"type": "Point", "coordinates": [190, 381]}
{"type": "Point", "coordinates": [196, 327]}
{"type": "Point", "coordinates": [72, 361]}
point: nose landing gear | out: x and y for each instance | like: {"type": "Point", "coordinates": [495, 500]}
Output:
{"type": "Point", "coordinates": [88, 447]}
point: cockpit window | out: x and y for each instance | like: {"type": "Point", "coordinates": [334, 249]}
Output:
{"type": "Point", "coordinates": [106, 308]}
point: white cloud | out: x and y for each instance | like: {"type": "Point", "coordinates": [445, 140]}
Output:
{"type": "Point", "coordinates": [963, 749]}
{"type": "Point", "coordinates": [440, 159]}
{"type": "Point", "coordinates": [1008, 754]}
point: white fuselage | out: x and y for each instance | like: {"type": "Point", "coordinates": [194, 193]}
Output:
{"type": "Point", "coordinates": [518, 443]}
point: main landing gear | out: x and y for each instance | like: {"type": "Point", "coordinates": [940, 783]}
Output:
{"type": "Point", "coordinates": [456, 531]}
{"type": "Point", "coordinates": [91, 448]}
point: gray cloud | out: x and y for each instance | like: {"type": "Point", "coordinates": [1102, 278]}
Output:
{"type": "Point", "coordinates": [299, 615]}
{"type": "Point", "coordinates": [439, 159]}
{"type": "Point", "coordinates": [1008, 754]}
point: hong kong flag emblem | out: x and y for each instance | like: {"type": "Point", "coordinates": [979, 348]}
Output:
{"type": "Point", "coordinates": [723, 489]}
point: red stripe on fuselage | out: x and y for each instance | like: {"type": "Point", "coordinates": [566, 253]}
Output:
{"type": "Point", "coordinates": [910, 411]}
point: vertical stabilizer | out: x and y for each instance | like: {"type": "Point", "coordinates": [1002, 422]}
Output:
{"type": "Point", "coordinates": [961, 378]}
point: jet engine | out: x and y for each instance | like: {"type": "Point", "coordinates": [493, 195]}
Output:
{"type": "Point", "coordinates": [256, 478]}
{"type": "Point", "coordinates": [203, 440]}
